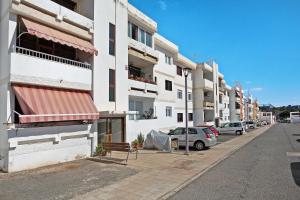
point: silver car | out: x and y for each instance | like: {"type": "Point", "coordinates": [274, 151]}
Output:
{"type": "Point", "coordinates": [199, 137]}
{"type": "Point", "coordinates": [233, 127]}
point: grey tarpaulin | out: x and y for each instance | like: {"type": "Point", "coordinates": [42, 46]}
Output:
{"type": "Point", "coordinates": [156, 140]}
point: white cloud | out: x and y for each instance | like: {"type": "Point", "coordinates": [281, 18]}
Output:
{"type": "Point", "coordinates": [163, 5]}
{"type": "Point", "coordinates": [257, 89]}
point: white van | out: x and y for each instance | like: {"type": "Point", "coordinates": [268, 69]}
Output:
{"type": "Point", "coordinates": [233, 127]}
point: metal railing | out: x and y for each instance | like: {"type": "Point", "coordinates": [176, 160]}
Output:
{"type": "Point", "coordinates": [50, 57]}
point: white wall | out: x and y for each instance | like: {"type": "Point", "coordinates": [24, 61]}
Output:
{"type": "Point", "coordinates": [34, 70]}
{"type": "Point", "coordinates": [37, 146]}
{"type": "Point", "coordinates": [105, 13]}
{"type": "Point", "coordinates": [7, 27]}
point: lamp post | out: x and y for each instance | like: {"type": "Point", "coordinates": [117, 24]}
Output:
{"type": "Point", "coordinates": [186, 72]}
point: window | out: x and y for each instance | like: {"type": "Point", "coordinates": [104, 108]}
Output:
{"type": "Point", "coordinates": [148, 39]}
{"type": "Point", "coordinates": [168, 111]}
{"type": "Point", "coordinates": [178, 131]}
{"type": "Point", "coordinates": [142, 37]}
{"type": "Point", "coordinates": [134, 32]}
{"type": "Point", "coordinates": [168, 85]}
{"type": "Point", "coordinates": [192, 131]}
{"type": "Point", "coordinates": [139, 34]}
{"type": "Point", "coordinates": [112, 92]}
{"type": "Point", "coordinates": [179, 94]}
{"type": "Point", "coordinates": [179, 71]}
{"type": "Point", "coordinates": [168, 60]}
{"type": "Point", "coordinates": [190, 96]}
{"type": "Point", "coordinates": [179, 117]}
{"type": "Point", "coordinates": [66, 3]}
{"type": "Point", "coordinates": [220, 98]}
{"type": "Point", "coordinates": [190, 117]}
{"type": "Point", "coordinates": [112, 39]}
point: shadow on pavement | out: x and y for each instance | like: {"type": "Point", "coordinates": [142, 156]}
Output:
{"type": "Point", "coordinates": [295, 168]}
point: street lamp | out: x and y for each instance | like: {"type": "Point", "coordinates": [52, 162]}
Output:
{"type": "Point", "coordinates": [186, 72]}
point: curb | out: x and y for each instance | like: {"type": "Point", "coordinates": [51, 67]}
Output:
{"type": "Point", "coordinates": [187, 182]}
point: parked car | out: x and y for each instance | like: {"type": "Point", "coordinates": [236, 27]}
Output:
{"type": "Point", "coordinates": [212, 128]}
{"type": "Point", "coordinates": [233, 127]}
{"type": "Point", "coordinates": [251, 124]}
{"type": "Point", "coordinates": [199, 137]}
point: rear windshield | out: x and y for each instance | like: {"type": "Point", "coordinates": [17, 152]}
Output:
{"type": "Point", "coordinates": [207, 131]}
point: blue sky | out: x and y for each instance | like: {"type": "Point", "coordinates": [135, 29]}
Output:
{"type": "Point", "coordinates": [255, 42]}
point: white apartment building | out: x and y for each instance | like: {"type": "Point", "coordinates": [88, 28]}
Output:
{"type": "Point", "coordinates": [224, 101]}
{"type": "Point", "coordinates": [295, 117]}
{"type": "Point", "coordinates": [166, 103]}
{"type": "Point", "coordinates": [266, 116]}
{"type": "Point", "coordinates": [211, 96]}
{"type": "Point", "coordinates": [249, 107]}
{"type": "Point", "coordinates": [236, 104]}
{"type": "Point", "coordinates": [76, 73]}
{"type": "Point", "coordinates": [46, 81]}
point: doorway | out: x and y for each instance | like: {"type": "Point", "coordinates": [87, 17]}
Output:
{"type": "Point", "coordinates": [111, 130]}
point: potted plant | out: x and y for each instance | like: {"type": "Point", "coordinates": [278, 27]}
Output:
{"type": "Point", "coordinates": [134, 144]}
{"type": "Point", "coordinates": [100, 151]}
{"type": "Point", "coordinates": [140, 139]}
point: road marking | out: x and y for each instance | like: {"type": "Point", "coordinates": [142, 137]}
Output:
{"type": "Point", "coordinates": [293, 154]}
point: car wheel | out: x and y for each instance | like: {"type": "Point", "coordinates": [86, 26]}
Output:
{"type": "Point", "coordinates": [199, 145]}
{"type": "Point", "coordinates": [239, 133]}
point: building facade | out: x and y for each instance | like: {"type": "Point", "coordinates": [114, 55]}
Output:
{"type": "Point", "coordinates": [47, 112]}
{"type": "Point", "coordinates": [211, 96]}
{"type": "Point", "coordinates": [74, 74]}
{"type": "Point", "coordinates": [236, 104]}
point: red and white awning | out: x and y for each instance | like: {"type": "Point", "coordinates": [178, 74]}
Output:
{"type": "Point", "coordinates": [42, 31]}
{"type": "Point", "coordinates": [43, 104]}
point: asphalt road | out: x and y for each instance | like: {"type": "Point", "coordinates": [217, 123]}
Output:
{"type": "Point", "coordinates": [261, 170]}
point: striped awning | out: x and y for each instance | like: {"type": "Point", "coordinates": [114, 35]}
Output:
{"type": "Point", "coordinates": [43, 104]}
{"type": "Point", "coordinates": [42, 31]}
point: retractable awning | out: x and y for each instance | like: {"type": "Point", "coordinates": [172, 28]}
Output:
{"type": "Point", "coordinates": [43, 104]}
{"type": "Point", "coordinates": [42, 31]}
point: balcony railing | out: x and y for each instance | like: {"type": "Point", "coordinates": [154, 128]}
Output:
{"type": "Point", "coordinates": [141, 79]}
{"type": "Point", "coordinates": [135, 115]}
{"type": "Point", "coordinates": [53, 58]}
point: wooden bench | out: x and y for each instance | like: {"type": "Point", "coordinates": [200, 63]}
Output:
{"type": "Point", "coordinates": [122, 147]}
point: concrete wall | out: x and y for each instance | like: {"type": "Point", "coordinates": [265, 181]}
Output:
{"type": "Point", "coordinates": [38, 71]}
{"type": "Point", "coordinates": [105, 13]}
{"type": "Point", "coordinates": [35, 147]}
{"type": "Point", "coordinates": [6, 38]}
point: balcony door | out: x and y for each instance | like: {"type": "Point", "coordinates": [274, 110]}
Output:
{"type": "Point", "coordinates": [111, 130]}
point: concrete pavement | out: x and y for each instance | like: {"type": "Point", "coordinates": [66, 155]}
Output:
{"type": "Point", "coordinates": [161, 175]}
{"type": "Point", "coordinates": [261, 170]}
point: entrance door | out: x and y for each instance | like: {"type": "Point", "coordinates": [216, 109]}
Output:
{"type": "Point", "coordinates": [111, 130]}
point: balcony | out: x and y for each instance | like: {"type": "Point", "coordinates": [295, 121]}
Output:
{"type": "Point", "coordinates": [33, 67]}
{"type": "Point", "coordinates": [208, 105]}
{"type": "Point", "coordinates": [142, 51]}
{"type": "Point", "coordinates": [62, 13]}
{"type": "Point", "coordinates": [207, 84]}
{"type": "Point", "coordinates": [142, 87]}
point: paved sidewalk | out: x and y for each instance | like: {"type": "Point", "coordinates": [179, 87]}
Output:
{"type": "Point", "coordinates": [62, 181]}
{"type": "Point", "coordinates": [162, 174]}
